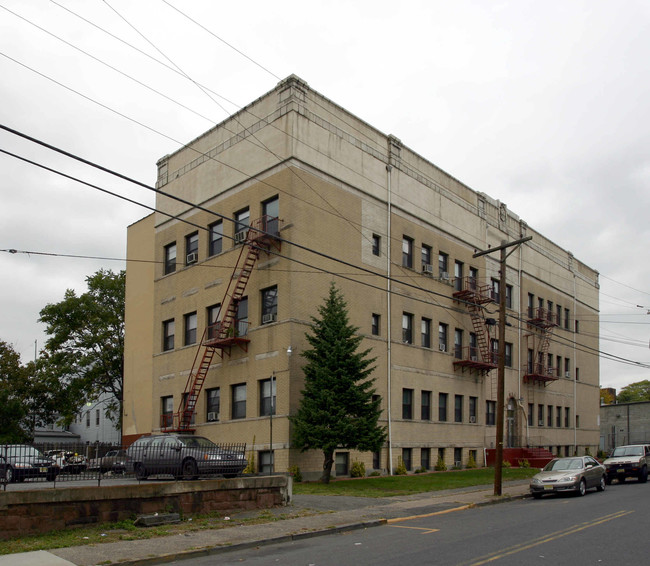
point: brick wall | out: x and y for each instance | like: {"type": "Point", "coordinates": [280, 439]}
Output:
{"type": "Point", "coordinates": [42, 510]}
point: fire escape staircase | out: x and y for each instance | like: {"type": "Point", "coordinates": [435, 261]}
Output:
{"type": "Point", "coordinates": [219, 338]}
{"type": "Point", "coordinates": [478, 358]}
{"type": "Point", "coordinates": [541, 323]}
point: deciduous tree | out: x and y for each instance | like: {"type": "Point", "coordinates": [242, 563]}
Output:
{"type": "Point", "coordinates": [337, 410]}
{"type": "Point", "coordinates": [13, 411]}
{"type": "Point", "coordinates": [639, 391]}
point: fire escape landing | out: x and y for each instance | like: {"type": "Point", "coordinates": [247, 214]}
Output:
{"type": "Point", "coordinates": [541, 323]}
{"type": "Point", "coordinates": [228, 331]}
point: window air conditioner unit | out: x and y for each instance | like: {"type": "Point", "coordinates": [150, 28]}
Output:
{"type": "Point", "coordinates": [458, 464]}
{"type": "Point", "coordinates": [541, 422]}
{"type": "Point", "coordinates": [270, 317]}
{"type": "Point", "coordinates": [213, 417]}
{"type": "Point", "coordinates": [444, 276]}
{"type": "Point", "coordinates": [567, 374]}
{"type": "Point", "coordinates": [427, 268]}
{"type": "Point", "coordinates": [442, 347]}
{"type": "Point", "coordinates": [192, 258]}
{"type": "Point", "coordinates": [472, 419]}
{"type": "Point", "coordinates": [240, 237]}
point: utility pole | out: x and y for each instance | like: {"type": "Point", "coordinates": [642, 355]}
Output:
{"type": "Point", "coordinates": [501, 362]}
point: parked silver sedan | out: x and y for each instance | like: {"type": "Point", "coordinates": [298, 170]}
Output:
{"type": "Point", "coordinates": [576, 474]}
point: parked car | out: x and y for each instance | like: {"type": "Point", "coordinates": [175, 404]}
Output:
{"type": "Point", "coordinates": [184, 456]}
{"type": "Point", "coordinates": [115, 461]}
{"type": "Point", "coordinates": [22, 461]}
{"type": "Point", "coordinates": [68, 461]}
{"type": "Point", "coordinates": [630, 461]}
{"type": "Point", "coordinates": [575, 474]}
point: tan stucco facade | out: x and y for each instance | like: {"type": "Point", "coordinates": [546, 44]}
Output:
{"type": "Point", "coordinates": [341, 187]}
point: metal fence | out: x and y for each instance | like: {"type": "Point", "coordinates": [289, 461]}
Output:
{"type": "Point", "coordinates": [149, 457]}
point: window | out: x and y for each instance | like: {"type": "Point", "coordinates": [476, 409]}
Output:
{"type": "Point", "coordinates": [407, 458]}
{"type": "Point", "coordinates": [265, 458]}
{"type": "Point", "coordinates": [549, 311]}
{"type": "Point", "coordinates": [426, 256]}
{"type": "Point", "coordinates": [189, 323]}
{"type": "Point", "coordinates": [441, 455]}
{"type": "Point", "coordinates": [216, 238]}
{"type": "Point", "coordinates": [269, 305]}
{"type": "Point", "coordinates": [558, 314]}
{"type": "Point", "coordinates": [376, 245]}
{"type": "Point", "coordinates": [442, 406]}
{"type": "Point", "coordinates": [168, 335]}
{"type": "Point", "coordinates": [549, 416]}
{"type": "Point", "coordinates": [508, 360]}
{"type": "Point", "coordinates": [458, 457]}
{"type": "Point", "coordinates": [271, 214]}
{"type": "Point", "coordinates": [442, 337]}
{"type": "Point", "coordinates": [577, 326]}
{"type": "Point", "coordinates": [407, 328]}
{"type": "Point", "coordinates": [473, 278]}
{"type": "Point", "coordinates": [342, 463]}
{"type": "Point", "coordinates": [267, 397]}
{"type": "Point", "coordinates": [425, 458]}
{"type": "Point", "coordinates": [170, 258]}
{"type": "Point", "coordinates": [407, 404]}
{"type": "Point", "coordinates": [566, 319]}
{"type": "Point", "coordinates": [426, 332]}
{"type": "Point", "coordinates": [558, 366]}
{"type": "Point", "coordinates": [213, 404]}
{"type": "Point", "coordinates": [567, 367]}
{"type": "Point", "coordinates": [577, 374]}
{"type": "Point", "coordinates": [191, 248]}
{"type": "Point", "coordinates": [376, 460]}
{"type": "Point", "coordinates": [540, 415]}
{"type": "Point", "coordinates": [425, 406]}
{"type": "Point", "coordinates": [531, 414]}
{"type": "Point", "coordinates": [549, 364]}
{"type": "Point", "coordinates": [96, 417]}
{"type": "Point", "coordinates": [242, 317]}
{"type": "Point", "coordinates": [558, 417]}
{"type": "Point", "coordinates": [375, 328]}
{"type": "Point", "coordinates": [496, 290]}
{"type": "Point", "coordinates": [88, 419]}
{"type": "Point", "coordinates": [566, 417]}
{"type": "Point", "coordinates": [490, 412]}
{"type": "Point", "coordinates": [242, 222]}
{"type": "Point", "coordinates": [473, 347]}
{"type": "Point", "coordinates": [407, 252]}
{"type": "Point", "coordinates": [443, 265]}
{"type": "Point", "coordinates": [238, 394]}
{"type": "Point", "coordinates": [458, 275]}
{"type": "Point", "coordinates": [531, 305]}
{"type": "Point", "coordinates": [458, 408]}
{"type": "Point", "coordinates": [458, 343]}
{"type": "Point", "coordinates": [577, 421]}
{"type": "Point", "coordinates": [509, 296]}
{"type": "Point", "coordinates": [473, 405]}
{"type": "Point", "coordinates": [167, 411]}
{"type": "Point", "coordinates": [213, 313]}
{"type": "Point", "coordinates": [494, 350]}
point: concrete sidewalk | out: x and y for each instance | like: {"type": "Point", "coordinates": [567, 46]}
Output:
{"type": "Point", "coordinates": [326, 515]}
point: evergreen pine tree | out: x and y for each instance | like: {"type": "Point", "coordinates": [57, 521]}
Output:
{"type": "Point", "coordinates": [337, 409]}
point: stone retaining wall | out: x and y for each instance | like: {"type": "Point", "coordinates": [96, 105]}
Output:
{"type": "Point", "coordinates": [42, 510]}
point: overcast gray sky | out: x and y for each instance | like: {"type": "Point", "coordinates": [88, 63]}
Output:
{"type": "Point", "coordinates": [542, 105]}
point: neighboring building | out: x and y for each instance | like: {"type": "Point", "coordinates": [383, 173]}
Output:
{"type": "Point", "coordinates": [295, 164]}
{"type": "Point", "coordinates": [54, 435]}
{"type": "Point", "coordinates": [624, 423]}
{"type": "Point", "coordinates": [93, 426]}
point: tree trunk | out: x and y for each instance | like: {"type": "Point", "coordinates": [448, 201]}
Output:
{"type": "Point", "coordinates": [327, 466]}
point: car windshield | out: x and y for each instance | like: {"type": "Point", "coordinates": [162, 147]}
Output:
{"type": "Point", "coordinates": [198, 442]}
{"type": "Point", "coordinates": [627, 451]}
{"type": "Point", "coordinates": [22, 452]}
{"type": "Point", "coordinates": [564, 464]}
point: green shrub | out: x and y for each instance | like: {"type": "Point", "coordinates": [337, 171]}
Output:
{"type": "Point", "coordinates": [400, 470]}
{"type": "Point", "coordinates": [250, 467]}
{"type": "Point", "coordinates": [440, 465]}
{"type": "Point", "coordinates": [506, 464]}
{"type": "Point", "coordinates": [587, 451]}
{"type": "Point", "coordinates": [601, 455]}
{"type": "Point", "coordinates": [421, 470]}
{"type": "Point", "coordinates": [523, 463]}
{"type": "Point", "coordinates": [374, 474]}
{"type": "Point", "coordinates": [471, 462]}
{"type": "Point", "coordinates": [295, 472]}
{"type": "Point", "coordinates": [358, 470]}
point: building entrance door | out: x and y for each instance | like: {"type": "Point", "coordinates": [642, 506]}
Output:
{"type": "Point", "coordinates": [511, 425]}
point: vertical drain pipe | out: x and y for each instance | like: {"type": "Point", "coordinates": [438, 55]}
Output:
{"type": "Point", "coordinates": [388, 307]}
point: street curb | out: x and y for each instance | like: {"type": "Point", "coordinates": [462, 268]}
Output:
{"type": "Point", "coordinates": [166, 558]}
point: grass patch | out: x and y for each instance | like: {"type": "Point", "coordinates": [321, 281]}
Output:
{"type": "Point", "coordinates": [390, 486]}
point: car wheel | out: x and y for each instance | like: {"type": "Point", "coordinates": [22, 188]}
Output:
{"type": "Point", "coordinates": [537, 495]}
{"type": "Point", "coordinates": [189, 470]}
{"type": "Point", "coordinates": [9, 475]}
{"type": "Point", "coordinates": [582, 488]}
{"type": "Point", "coordinates": [601, 485]}
{"type": "Point", "coordinates": [608, 480]}
{"type": "Point", "coordinates": [643, 476]}
{"type": "Point", "coordinates": [140, 472]}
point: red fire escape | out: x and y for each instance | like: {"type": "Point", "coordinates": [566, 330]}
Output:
{"type": "Point", "coordinates": [541, 323]}
{"type": "Point", "coordinates": [479, 357]}
{"type": "Point", "coordinates": [228, 331]}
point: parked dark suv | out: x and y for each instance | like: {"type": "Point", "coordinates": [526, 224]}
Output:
{"type": "Point", "coordinates": [22, 461]}
{"type": "Point", "coordinates": [184, 456]}
{"type": "Point", "coordinates": [628, 462]}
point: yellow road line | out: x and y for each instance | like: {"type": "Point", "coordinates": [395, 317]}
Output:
{"type": "Point", "coordinates": [425, 531]}
{"type": "Point", "coordinates": [412, 517]}
{"type": "Point", "coordinates": [547, 538]}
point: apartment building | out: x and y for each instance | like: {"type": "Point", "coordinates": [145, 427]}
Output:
{"type": "Point", "coordinates": [258, 215]}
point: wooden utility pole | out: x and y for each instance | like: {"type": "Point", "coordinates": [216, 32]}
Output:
{"type": "Point", "coordinates": [501, 362]}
